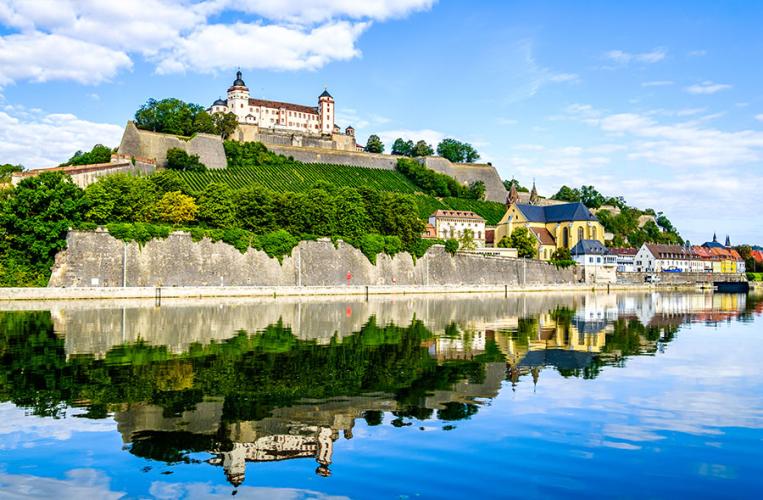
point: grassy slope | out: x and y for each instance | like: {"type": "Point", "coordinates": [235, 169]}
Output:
{"type": "Point", "coordinates": [300, 177]}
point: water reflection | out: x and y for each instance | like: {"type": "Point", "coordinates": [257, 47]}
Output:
{"type": "Point", "coordinates": [226, 385]}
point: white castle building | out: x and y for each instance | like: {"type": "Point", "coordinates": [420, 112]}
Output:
{"type": "Point", "coordinates": [279, 116]}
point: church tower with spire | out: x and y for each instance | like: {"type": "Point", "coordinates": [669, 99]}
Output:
{"type": "Point", "coordinates": [534, 199]}
{"type": "Point", "coordinates": [513, 196]}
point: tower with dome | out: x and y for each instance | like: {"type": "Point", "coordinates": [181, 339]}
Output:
{"type": "Point", "coordinates": [257, 116]}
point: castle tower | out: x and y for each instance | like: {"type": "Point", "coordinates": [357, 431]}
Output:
{"type": "Point", "coordinates": [238, 97]}
{"type": "Point", "coordinates": [326, 112]}
{"type": "Point", "coordinates": [534, 195]}
{"type": "Point", "coordinates": [513, 196]}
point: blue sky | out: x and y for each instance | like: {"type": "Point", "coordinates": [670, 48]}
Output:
{"type": "Point", "coordinates": [658, 103]}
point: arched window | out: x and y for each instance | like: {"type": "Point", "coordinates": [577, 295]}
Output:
{"type": "Point", "coordinates": [580, 234]}
{"type": "Point", "coordinates": [593, 233]}
{"type": "Point", "coordinates": [566, 238]}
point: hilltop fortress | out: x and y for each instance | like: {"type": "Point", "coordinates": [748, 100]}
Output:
{"type": "Point", "coordinates": [306, 133]}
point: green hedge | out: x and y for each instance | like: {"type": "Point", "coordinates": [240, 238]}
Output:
{"type": "Point", "coordinates": [754, 276]}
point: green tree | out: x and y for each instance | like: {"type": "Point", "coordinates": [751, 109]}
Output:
{"type": "Point", "coordinates": [121, 198]}
{"type": "Point", "coordinates": [457, 151]}
{"type": "Point", "coordinates": [6, 170]}
{"type": "Point", "coordinates": [590, 197]}
{"type": "Point", "coordinates": [477, 190]}
{"type": "Point", "coordinates": [225, 124]}
{"type": "Point", "coordinates": [99, 154]}
{"type": "Point", "coordinates": [256, 210]}
{"type": "Point", "coordinates": [352, 219]}
{"type": "Point", "coordinates": [524, 242]}
{"type": "Point", "coordinates": [451, 246]}
{"type": "Point", "coordinates": [402, 147]}
{"type": "Point", "coordinates": [466, 241]}
{"type": "Point", "coordinates": [35, 219]}
{"type": "Point", "coordinates": [566, 193]}
{"type": "Point", "coordinates": [217, 206]}
{"type": "Point", "coordinates": [170, 116]}
{"type": "Point", "coordinates": [422, 149]}
{"type": "Point", "coordinates": [508, 182]}
{"type": "Point", "coordinates": [374, 144]}
{"type": "Point", "coordinates": [505, 242]}
{"type": "Point", "coordinates": [176, 208]}
{"type": "Point", "coordinates": [178, 159]}
{"type": "Point", "coordinates": [204, 123]}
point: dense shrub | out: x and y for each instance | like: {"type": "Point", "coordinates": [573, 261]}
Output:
{"type": "Point", "coordinates": [178, 159]}
{"type": "Point", "coordinates": [451, 246]}
{"type": "Point", "coordinates": [437, 184]}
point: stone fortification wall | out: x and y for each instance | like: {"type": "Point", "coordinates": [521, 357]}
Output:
{"type": "Point", "coordinates": [471, 172]}
{"type": "Point", "coordinates": [465, 173]}
{"type": "Point", "coordinates": [84, 175]}
{"type": "Point", "coordinates": [96, 259]}
{"type": "Point", "coordinates": [678, 278]}
{"type": "Point", "coordinates": [153, 145]}
{"type": "Point", "coordinates": [274, 137]}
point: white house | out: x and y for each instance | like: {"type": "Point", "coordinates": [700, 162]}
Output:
{"type": "Point", "coordinates": [314, 120]}
{"type": "Point", "coordinates": [625, 259]}
{"type": "Point", "coordinates": [655, 258]}
{"type": "Point", "coordinates": [595, 261]}
{"type": "Point", "coordinates": [452, 224]}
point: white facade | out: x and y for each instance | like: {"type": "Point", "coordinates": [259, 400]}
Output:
{"type": "Point", "coordinates": [625, 263]}
{"type": "Point", "coordinates": [276, 115]}
{"type": "Point", "coordinates": [452, 224]}
{"type": "Point", "coordinates": [667, 258]}
{"type": "Point", "coordinates": [597, 268]}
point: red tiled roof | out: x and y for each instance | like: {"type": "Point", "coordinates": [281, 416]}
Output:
{"type": "Point", "coordinates": [757, 256]}
{"type": "Point", "coordinates": [544, 236]}
{"type": "Point", "coordinates": [72, 169]}
{"type": "Point", "coordinates": [671, 252]}
{"type": "Point", "coordinates": [460, 214]}
{"type": "Point", "coordinates": [283, 105]}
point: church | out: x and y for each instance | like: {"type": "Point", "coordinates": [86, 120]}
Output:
{"type": "Point", "coordinates": [315, 120]}
{"type": "Point", "coordinates": [555, 226]}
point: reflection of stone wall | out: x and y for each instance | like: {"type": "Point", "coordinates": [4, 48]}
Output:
{"type": "Point", "coordinates": [95, 329]}
{"type": "Point", "coordinates": [96, 259]}
{"type": "Point", "coordinates": [678, 278]}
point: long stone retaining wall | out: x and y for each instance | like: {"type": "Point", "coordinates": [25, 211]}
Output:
{"type": "Point", "coordinates": [97, 259]}
{"type": "Point", "coordinates": [679, 278]}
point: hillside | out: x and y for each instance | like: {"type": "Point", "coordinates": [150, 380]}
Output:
{"type": "Point", "coordinates": [284, 175]}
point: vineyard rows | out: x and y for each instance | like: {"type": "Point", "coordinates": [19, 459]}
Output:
{"type": "Point", "coordinates": [300, 177]}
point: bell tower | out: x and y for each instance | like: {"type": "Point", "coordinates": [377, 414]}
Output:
{"type": "Point", "coordinates": [238, 97]}
{"type": "Point", "coordinates": [326, 112]}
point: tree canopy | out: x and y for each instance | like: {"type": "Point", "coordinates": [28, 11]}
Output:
{"type": "Point", "coordinates": [173, 116]}
{"type": "Point", "coordinates": [457, 151]}
{"type": "Point", "coordinates": [374, 144]}
{"type": "Point", "coordinates": [99, 154]}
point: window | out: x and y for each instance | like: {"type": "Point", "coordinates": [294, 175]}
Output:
{"type": "Point", "coordinates": [580, 234]}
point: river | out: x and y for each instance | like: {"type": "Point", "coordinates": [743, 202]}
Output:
{"type": "Point", "coordinates": [535, 395]}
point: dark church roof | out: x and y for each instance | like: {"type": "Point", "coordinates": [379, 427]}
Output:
{"type": "Point", "coordinates": [562, 359]}
{"type": "Point", "coordinates": [556, 213]}
{"type": "Point", "coordinates": [589, 247]}
{"type": "Point", "coordinates": [325, 94]}
{"type": "Point", "coordinates": [712, 244]}
{"type": "Point", "coordinates": [220, 102]}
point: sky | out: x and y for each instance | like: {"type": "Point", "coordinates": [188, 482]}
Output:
{"type": "Point", "coordinates": [657, 101]}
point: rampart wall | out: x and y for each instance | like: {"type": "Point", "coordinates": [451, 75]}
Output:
{"type": "Point", "coordinates": [96, 259]}
{"type": "Point", "coordinates": [147, 144]}
{"type": "Point", "coordinates": [465, 173]}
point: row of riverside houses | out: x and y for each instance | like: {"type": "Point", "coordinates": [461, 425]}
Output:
{"type": "Point", "coordinates": [710, 257]}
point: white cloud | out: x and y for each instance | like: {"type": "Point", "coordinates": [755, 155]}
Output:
{"type": "Point", "coordinates": [697, 53]}
{"type": "Point", "coordinates": [35, 139]}
{"type": "Point", "coordinates": [42, 57]}
{"type": "Point", "coordinates": [217, 47]}
{"type": "Point", "coordinates": [311, 11]}
{"type": "Point", "coordinates": [623, 58]}
{"type": "Point", "coordinates": [657, 83]}
{"type": "Point", "coordinates": [89, 41]}
{"type": "Point", "coordinates": [564, 77]}
{"type": "Point", "coordinates": [349, 116]}
{"type": "Point", "coordinates": [707, 87]}
{"type": "Point", "coordinates": [759, 117]}
{"type": "Point", "coordinates": [683, 144]}
{"type": "Point", "coordinates": [432, 137]}
{"type": "Point", "coordinates": [80, 483]}
{"type": "Point", "coordinates": [506, 121]}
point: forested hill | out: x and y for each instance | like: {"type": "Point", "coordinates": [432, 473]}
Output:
{"type": "Point", "coordinates": [630, 226]}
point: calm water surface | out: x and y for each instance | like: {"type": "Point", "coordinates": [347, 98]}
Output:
{"type": "Point", "coordinates": [646, 395]}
